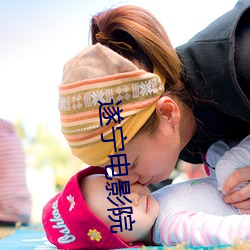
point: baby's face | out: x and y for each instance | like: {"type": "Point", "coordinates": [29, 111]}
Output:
{"type": "Point", "coordinates": [145, 207]}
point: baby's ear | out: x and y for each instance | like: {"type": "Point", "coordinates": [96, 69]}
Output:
{"type": "Point", "coordinates": [168, 109]}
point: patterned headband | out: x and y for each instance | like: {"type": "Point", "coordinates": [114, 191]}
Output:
{"type": "Point", "coordinates": [99, 79]}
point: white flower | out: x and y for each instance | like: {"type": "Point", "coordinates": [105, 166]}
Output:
{"type": "Point", "coordinates": [72, 203]}
{"type": "Point", "coordinates": [145, 88]}
{"type": "Point", "coordinates": [64, 104]}
{"type": "Point", "coordinates": [97, 96]}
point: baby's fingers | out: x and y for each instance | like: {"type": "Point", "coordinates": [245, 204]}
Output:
{"type": "Point", "coordinates": [245, 211]}
{"type": "Point", "coordinates": [239, 198]}
{"type": "Point", "coordinates": [237, 177]}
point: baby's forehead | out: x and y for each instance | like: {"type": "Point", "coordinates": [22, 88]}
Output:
{"type": "Point", "coordinates": [101, 177]}
{"type": "Point", "coordinates": [95, 176]}
{"type": "Point", "coordinates": [97, 180]}
{"type": "Point", "coordinates": [93, 179]}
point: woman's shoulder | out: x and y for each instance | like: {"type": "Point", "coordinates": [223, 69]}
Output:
{"type": "Point", "coordinates": [209, 65]}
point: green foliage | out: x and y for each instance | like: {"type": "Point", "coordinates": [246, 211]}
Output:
{"type": "Point", "coordinates": [48, 150]}
{"type": "Point", "coordinates": [45, 150]}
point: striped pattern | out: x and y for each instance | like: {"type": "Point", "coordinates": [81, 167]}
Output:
{"type": "Point", "coordinates": [79, 107]}
{"type": "Point", "coordinates": [15, 201]}
{"type": "Point", "coordinates": [201, 229]}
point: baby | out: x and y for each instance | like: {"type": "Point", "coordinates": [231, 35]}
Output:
{"type": "Point", "coordinates": [77, 217]}
{"type": "Point", "coordinates": [90, 214]}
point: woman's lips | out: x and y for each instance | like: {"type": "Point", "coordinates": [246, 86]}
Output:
{"type": "Point", "coordinates": [148, 183]}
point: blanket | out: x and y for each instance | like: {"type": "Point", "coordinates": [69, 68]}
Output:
{"type": "Point", "coordinates": [33, 237]}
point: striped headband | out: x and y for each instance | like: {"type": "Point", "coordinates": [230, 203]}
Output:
{"type": "Point", "coordinates": [99, 76]}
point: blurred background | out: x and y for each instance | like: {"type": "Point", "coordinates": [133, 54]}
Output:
{"type": "Point", "coordinates": [37, 38]}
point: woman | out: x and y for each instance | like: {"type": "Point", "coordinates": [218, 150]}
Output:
{"type": "Point", "coordinates": [203, 101]}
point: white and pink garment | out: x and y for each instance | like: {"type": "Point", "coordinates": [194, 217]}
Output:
{"type": "Point", "coordinates": [194, 212]}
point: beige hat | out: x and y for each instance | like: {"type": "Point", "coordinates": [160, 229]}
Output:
{"type": "Point", "coordinates": [99, 75]}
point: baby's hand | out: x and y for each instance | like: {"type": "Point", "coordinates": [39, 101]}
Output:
{"type": "Point", "coordinates": [240, 198]}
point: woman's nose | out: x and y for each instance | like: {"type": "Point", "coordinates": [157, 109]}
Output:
{"type": "Point", "coordinates": [132, 178]}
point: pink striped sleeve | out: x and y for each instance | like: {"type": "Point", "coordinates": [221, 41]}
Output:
{"type": "Point", "coordinates": [15, 200]}
{"type": "Point", "coordinates": [201, 229]}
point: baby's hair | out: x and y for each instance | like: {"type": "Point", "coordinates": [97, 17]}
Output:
{"type": "Point", "coordinates": [83, 188]}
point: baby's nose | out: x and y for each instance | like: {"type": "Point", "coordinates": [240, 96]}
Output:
{"type": "Point", "coordinates": [134, 197]}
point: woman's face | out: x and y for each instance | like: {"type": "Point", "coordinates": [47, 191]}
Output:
{"type": "Point", "coordinates": [151, 158]}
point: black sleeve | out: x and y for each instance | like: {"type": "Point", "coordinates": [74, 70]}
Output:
{"type": "Point", "coordinates": [217, 66]}
{"type": "Point", "coordinates": [213, 58]}
{"type": "Point", "coordinates": [242, 53]}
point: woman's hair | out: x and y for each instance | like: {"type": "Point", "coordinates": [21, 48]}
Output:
{"type": "Point", "coordinates": [137, 35]}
